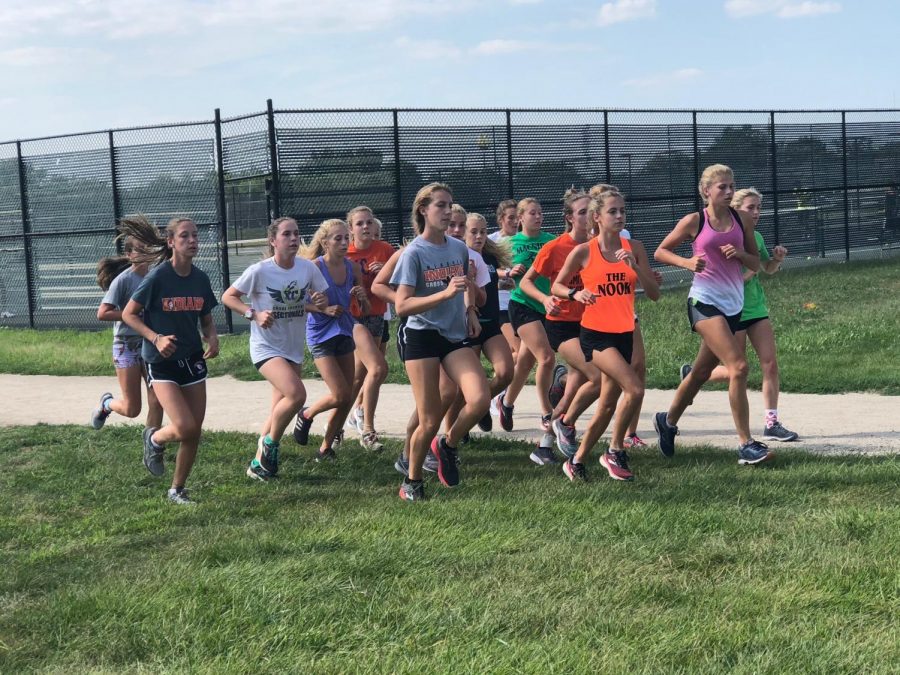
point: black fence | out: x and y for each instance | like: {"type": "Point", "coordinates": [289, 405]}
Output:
{"type": "Point", "coordinates": [829, 178]}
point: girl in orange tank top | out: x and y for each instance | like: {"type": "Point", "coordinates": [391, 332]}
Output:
{"type": "Point", "coordinates": [610, 268]}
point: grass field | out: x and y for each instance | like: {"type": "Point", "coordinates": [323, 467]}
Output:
{"type": "Point", "coordinates": [698, 566]}
{"type": "Point", "coordinates": [835, 326]}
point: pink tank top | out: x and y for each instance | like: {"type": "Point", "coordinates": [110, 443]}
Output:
{"type": "Point", "coordinates": [721, 283]}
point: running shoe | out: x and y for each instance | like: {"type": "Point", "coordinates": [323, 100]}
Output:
{"type": "Point", "coordinates": [412, 491]}
{"type": "Point", "coordinates": [557, 389]}
{"type": "Point", "coordinates": [505, 413]}
{"type": "Point", "coordinates": [326, 455]}
{"type": "Point", "coordinates": [666, 433]}
{"type": "Point", "coordinates": [153, 453]}
{"type": "Point", "coordinates": [465, 439]}
{"type": "Point", "coordinates": [338, 439]}
{"type": "Point", "coordinates": [776, 432]}
{"type": "Point", "coordinates": [370, 442]}
{"type": "Point", "coordinates": [355, 420]}
{"type": "Point", "coordinates": [565, 438]}
{"type": "Point", "coordinates": [98, 417]}
{"type": "Point", "coordinates": [616, 463]}
{"type": "Point", "coordinates": [634, 441]}
{"type": "Point", "coordinates": [447, 470]}
{"type": "Point", "coordinates": [257, 471]}
{"type": "Point", "coordinates": [430, 464]}
{"type": "Point", "coordinates": [575, 471]}
{"type": "Point", "coordinates": [754, 452]}
{"type": "Point", "coordinates": [402, 465]}
{"type": "Point", "coordinates": [543, 456]}
{"type": "Point", "coordinates": [685, 370]}
{"type": "Point", "coordinates": [486, 423]}
{"type": "Point", "coordinates": [269, 455]}
{"type": "Point", "coordinates": [302, 427]}
{"type": "Point", "coordinates": [180, 496]}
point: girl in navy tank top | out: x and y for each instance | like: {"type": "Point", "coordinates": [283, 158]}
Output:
{"type": "Point", "coordinates": [723, 243]}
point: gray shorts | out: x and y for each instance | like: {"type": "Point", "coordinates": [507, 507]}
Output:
{"type": "Point", "coordinates": [333, 346]}
{"type": "Point", "coordinates": [374, 323]}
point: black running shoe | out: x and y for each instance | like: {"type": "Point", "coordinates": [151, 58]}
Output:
{"type": "Point", "coordinates": [685, 370]}
{"type": "Point", "coordinates": [447, 470]}
{"type": "Point", "coordinates": [412, 491]}
{"type": "Point", "coordinates": [557, 390]}
{"type": "Point", "coordinates": [754, 452]}
{"type": "Point", "coordinates": [302, 427]}
{"type": "Point", "coordinates": [666, 433]}
{"type": "Point", "coordinates": [326, 455]}
{"type": "Point", "coordinates": [486, 423]}
{"type": "Point", "coordinates": [543, 456]}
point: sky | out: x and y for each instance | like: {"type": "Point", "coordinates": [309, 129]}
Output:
{"type": "Point", "coordinates": [83, 65]}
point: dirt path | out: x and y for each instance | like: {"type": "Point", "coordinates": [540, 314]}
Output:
{"type": "Point", "coordinates": [841, 423]}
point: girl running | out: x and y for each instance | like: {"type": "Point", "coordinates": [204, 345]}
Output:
{"type": "Point", "coordinates": [610, 269]}
{"type": "Point", "coordinates": [755, 321]}
{"type": "Point", "coordinates": [564, 328]}
{"type": "Point", "coordinates": [329, 332]}
{"type": "Point", "coordinates": [722, 242]}
{"type": "Point", "coordinates": [371, 367]}
{"type": "Point", "coordinates": [120, 277]}
{"type": "Point", "coordinates": [431, 282]}
{"type": "Point", "coordinates": [279, 290]}
{"type": "Point", "coordinates": [165, 310]}
{"type": "Point", "coordinates": [527, 318]}
{"type": "Point", "coordinates": [508, 224]}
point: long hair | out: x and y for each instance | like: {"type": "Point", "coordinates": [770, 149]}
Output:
{"type": "Point", "coordinates": [153, 242]}
{"type": "Point", "coordinates": [500, 251]}
{"type": "Point", "coordinates": [111, 267]}
{"type": "Point", "coordinates": [272, 232]}
{"type": "Point", "coordinates": [424, 198]}
{"type": "Point", "coordinates": [316, 246]}
{"type": "Point", "coordinates": [571, 196]}
{"type": "Point", "coordinates": [709, 175]}
{"type": "Point", "coordinates": [596, 207]}
{"type": "Point", "coordinates": [741, 195]}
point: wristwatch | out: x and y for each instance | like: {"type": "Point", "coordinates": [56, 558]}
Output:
{"type": "Point", "coordinates": [249, 313]}
{"type": "Point", "coordinates": [572, 292]}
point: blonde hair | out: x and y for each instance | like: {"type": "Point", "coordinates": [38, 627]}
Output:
{"type": "Point", "coordinates": [571, 196]}
{"type": "Point", "coordinates": [596, 206]}
{"type": "Point", "coordinates": [501, 251]}
{"type": "Point", "coordinates": [741, 195]}
{"type": "Point", "coordinates": [154, 243]}
{"type": "Point", "coordinates": [357, 209]}
{"type": "Point", "coordinates": [709, 174]}
{"type": "Point", "coordinates": [316, 246]}
{"type": "Point", "coordinates": [272, 232]}
{"type": "Point", "coordinates": [457, 209]}
{"type": "Point", "coordinates": [378, 225]}
{"type": "Point", "coordinates": [600, 188]}
{"type": "Point", "coordinates": [423, 199]}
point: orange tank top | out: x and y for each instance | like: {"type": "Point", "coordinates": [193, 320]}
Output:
{"type": "Point", "coordinates": [613, 285]}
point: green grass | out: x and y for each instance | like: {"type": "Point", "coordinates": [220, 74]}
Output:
{"type": "Point", "coordinates": [835, 326]}
{"type": "Point", "coordinates": [698, 566]}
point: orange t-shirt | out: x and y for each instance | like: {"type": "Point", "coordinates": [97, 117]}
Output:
{"type": "Point", "coordinates": [613, 283]}
{"type": "Point", "coordinates": [549, 261]}
{"type": "Point", "coordinates": [378, 251]}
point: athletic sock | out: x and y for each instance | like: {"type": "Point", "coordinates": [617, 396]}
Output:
{"type": "Point", "coordinates": [771, 416]}
{"type": "Point", "coordinates": [106, 405]}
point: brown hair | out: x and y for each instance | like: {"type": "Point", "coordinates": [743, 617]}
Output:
{"type": "Point", "coordinates": [600, 188]}
{"type": "Point", "coordinates": [154, 242]}
{"type": "Point", "coordinates": [571, 196]}
{"type": "Point", "coordinates": [272, 232]}
{"type": "Point", "coordinates": [423, 198]}
{"type": "Point", "coordinates": [502, 206]}
{"type": "Point", "coordinates": [111, 267]}
{"type": "Point", "coordinates": [316, 246]}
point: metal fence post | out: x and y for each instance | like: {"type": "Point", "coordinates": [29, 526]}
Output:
{"type": "Point", "coordinates": [114, 186]}
{"type": "Point", "coordinates": [273, 161]}
{"type": "Point", "coordinates": [223, 215]}
{"type": "Point", "coordinates": [774, 147]}
{"type": "Point", "coordinates": [398, 177]}
{"type": "Point", "coordinates": [606, 146]}
{"type": "Point", "coordinates": [846, 187]}
{"type": "Point", "coordinates": [697, 203]}
{"type": "Point", "coordinates": [26, 234]}
{"type": "Point", "coordinates": [509, 154]}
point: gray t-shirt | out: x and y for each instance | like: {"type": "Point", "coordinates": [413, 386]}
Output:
{"type": "Point", "coordinates": [428, 268]}
{"type": "Point", "coordinates": [120, 291]}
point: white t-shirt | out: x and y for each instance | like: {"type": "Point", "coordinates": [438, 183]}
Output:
{"type": "Point", "coordinates": [285, 293]}
{"type": "Point", "coordinates": [503, 296]}
{"type": "Point", "coordinates": [482, 273]}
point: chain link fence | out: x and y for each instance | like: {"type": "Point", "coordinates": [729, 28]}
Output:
{"type": "Point", "coordinates": [830, 180]}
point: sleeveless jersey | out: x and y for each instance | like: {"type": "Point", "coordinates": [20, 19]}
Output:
{"type": "Point", "coordinates": [721, 283]}
{"type": "Point", "coordinates": [613, 284]}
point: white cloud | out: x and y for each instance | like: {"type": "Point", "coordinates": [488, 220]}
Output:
{"type": "Point", "coordinates": [784, 9]}
{"type": "Point", "coordinates": [625, 10]}
{"type": "Point", "coordinates": [663, 79]}
{"type": "Point", "coordinates": [427, 49]}
{"type": "Point", "coordinates": [489, 47]}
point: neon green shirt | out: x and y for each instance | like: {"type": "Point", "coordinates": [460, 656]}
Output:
{"type": "Point", "coordinates": [754, 296]}
{"type": "Point", "coordinates": [524, 251]}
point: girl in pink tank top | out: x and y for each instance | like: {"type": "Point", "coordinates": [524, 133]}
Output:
{"type": "Point", "coordinates": [723, 242]}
